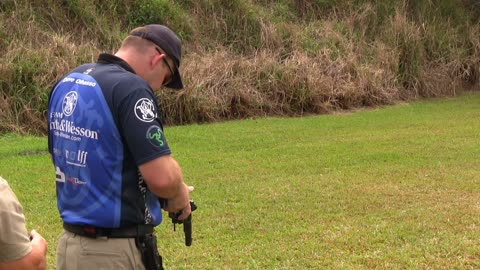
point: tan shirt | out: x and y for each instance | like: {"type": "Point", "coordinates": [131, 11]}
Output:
{"type": "Point", "coordinates": [14, 239]}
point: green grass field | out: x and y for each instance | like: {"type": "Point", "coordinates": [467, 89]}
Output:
{"type": "Point", "coordinates": [391, 188]}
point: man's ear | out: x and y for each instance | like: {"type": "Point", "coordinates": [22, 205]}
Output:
{"type": "Point", "coordinates": [155, 59]}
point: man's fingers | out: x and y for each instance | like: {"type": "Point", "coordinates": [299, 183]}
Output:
{"type": "Point", "coordinates": [184, 214]}
{"type": "Point", "coordinates": [190, 188]}
{"type": "Point", "coordinates": [33, 234]}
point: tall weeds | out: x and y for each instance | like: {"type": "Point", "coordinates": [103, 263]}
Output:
{"type": "Point", "coordinates": [248, 58]}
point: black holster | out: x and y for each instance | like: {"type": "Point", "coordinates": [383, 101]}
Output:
{"type": "Point", "coordinates": [147, 245]}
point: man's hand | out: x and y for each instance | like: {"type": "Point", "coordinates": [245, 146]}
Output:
{"type": "Point", "coordinates": [38, 242]}
{"type": "Point", "coordinates": [35, 260]}
{"type": "Point", "coordinates": [181, 203]}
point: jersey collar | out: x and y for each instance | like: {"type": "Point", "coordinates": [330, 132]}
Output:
{"type": "Point", "coordinates": [106, 58]}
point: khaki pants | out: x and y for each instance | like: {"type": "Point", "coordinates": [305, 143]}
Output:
{"type": "Point", "coordinates": [75, 252]}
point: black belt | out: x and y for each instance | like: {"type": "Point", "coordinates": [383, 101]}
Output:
{"type": "Point", "coordinates": [94, 232]}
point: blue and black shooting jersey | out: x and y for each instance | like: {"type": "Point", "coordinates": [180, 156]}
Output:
{"type": "Point", "coordinates": [103, 123]}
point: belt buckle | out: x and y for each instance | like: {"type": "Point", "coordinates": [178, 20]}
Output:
{"type": "Point", "coordinates": [90, 231]}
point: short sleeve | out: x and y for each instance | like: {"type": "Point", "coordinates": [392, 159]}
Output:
{"type": "Point", "coordinates": [141, 126]}
{"type": "Point", "coordinates": [14, 240]}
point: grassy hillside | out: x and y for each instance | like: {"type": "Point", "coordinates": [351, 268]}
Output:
{"type": "Point", "coordinates": [249, 58]}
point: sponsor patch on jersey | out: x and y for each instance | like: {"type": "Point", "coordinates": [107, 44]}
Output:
{"type": "Point", "coordinates": [69, 103]}
{"type": "Point", "coordinates": [155, 136]}
{"type": "Point", "coordinates": [145, 110]}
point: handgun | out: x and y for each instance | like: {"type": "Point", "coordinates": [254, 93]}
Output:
{"type": "Point", "coordinates": [187, 223]}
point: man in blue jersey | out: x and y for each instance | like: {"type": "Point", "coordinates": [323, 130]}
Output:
{"type": "Point", "coordinates": [111, 158]}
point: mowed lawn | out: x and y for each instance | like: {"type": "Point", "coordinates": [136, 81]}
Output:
{"type": "Point", "coordinates": [390, 188]}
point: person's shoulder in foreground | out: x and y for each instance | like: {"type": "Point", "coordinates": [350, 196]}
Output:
{"type": "Point", "coordinates": [16, 249]}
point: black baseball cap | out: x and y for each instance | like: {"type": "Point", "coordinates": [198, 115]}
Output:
{"type": "Point", "coordinates": [166, 39]}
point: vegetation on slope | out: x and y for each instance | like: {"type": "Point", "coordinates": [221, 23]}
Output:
{"type": "Point", "coordinates": [249, 58]}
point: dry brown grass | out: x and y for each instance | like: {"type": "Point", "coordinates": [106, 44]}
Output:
{"type": "Point", "coordinates": [32, 62]}
{"type": "Point", "coordinates": [222, 85]}
{"type": "Point", "coordinates": [349, 75]}
{"type": "Point", "coordinates": [346, 60]}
